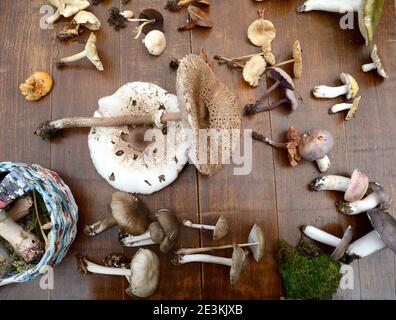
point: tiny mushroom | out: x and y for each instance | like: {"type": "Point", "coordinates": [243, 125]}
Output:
{"type": "Point", "coordinates": [163, 232]}
{"type": "Point", "coordinates": [383, 235]}
{"type": "Point", "coordinates": [66, 8]}
{"type": "Point", "coordinates": [38, 85]}
{"type": "Point", "coordinates": [376, 64]}
{"type": "Point", "coordinates": [355, 187]}
{"type": "Point", "coordinates": [198, 17]}
{"type": "Point", "coordinates": [220, 229]}
{"type": "Point", "coordinates": [352, 107]}
{"type": "Point", "coordinates": [378, 197]}
{"type": "Point", "coordinates": [297, 60]}
{"type": "Point", "coordinates": [261, 32]}
{"type": "Point", "coordinates": [256, 243]}
{"type": "Point", "coordinates": [90, 52]}
{"type": "Point", "coordinates": [350, 88]}
{"type": "Point", "coordinates": [118, 19]}
{"type": "Point", "coordinates": [155, 42]}
{"type": "Point", "coordinates": [143, 274]}
{"type": "Point", "coordinates": [237, 263]}
{"type": "Point", "coordinates": [253, 70]}
{"type": "Point", "coordinates": [129, 213]}
{"type": "Point", "coordinates": [82, 19]}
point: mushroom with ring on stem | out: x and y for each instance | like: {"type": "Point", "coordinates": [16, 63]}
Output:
{"type": "Point", "coordinates": [198, 17]}
{"type": "Point", "coordinates": [256, 243]}
{"type": "Point", "coordinates": [354, 188]}
{"type": "Point", "coordinates": [237, 263]}
{"type": "Point", "coordinates": [66, 8]}
{"type": "Point", "coordinates": [82, 19]}
{"type": "Point", "coordinates": [143, 274]}
{"type": "Point", "coordinates": [220, 229]}
{"type": "Point", "coordinates": [376, 198]}
{"type": "Point", "coordinates": [128, 212]}
{"type": "Point", "coordinates": [90, 52]}
{"type": "Point", "coordinates": [350, 88]}
{"type": "Point", "coordinates": [352, 107]}
{"type": "Point", "coordinates": [376, 64]}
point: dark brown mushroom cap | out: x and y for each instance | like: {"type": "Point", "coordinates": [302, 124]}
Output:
{"type": "Point", "coordinates": [315, 144]}
{"type": "Point", "coordinates": [357, 187]}
{"type": "Point", "coordinates": [340, 250]}
{"type": "Point", "coordinates": [221, 228]}
{"type": "Point", "coordinates": [282, 76]}
{"type": "Point", "coordinates": [130, 213]}
{"type": "Point", "coordinates": [256, 235]}
{"type": "Point", "coordinates": [168, 221]}
{"type": "Point", "coordinates": [291, 98]}
{"type": "Point", "coordinates": [385, 225]}
{"type": "Point", "coordinates": [151, 14]}
{"type": "Point", "coordinates": [200, 17]}
{"type": "Point", "coordinates": [157, 234]}
{"type": "Point", "coordinates": [239, 263]}
{"type": "Point", "coordinates": [385, 198]}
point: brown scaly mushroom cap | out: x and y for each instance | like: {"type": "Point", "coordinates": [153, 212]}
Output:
{"type": "Point", "coordinates": [221, 228]}
{"type": "Point", "coordinates": [385, 225]}
{"type": "Point", "coordinates": [239, 263]}
{"type": "Point", "coordinates": [168, 221]}
{"type": "Point", "coordinates": [157, 234]}
{"type": "Point", "coordinates": [131, 214]}
{"type": "Point", "coordinates": [206, 103]}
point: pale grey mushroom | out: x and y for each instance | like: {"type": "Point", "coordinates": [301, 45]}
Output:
{"type": "Point", "coordinates": [349, 88]}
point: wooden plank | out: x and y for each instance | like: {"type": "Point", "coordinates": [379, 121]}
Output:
{"type": "Point", "coordinates": [20, 56]}
{"type": "Point", "coordinates": [138, 65]}
{"type": "Point", "coordinates": [244, 200]}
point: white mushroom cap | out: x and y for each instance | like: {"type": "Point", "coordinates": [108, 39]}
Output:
{"type": "Point", "coordinates": [67, 8]}
{"type": "Point", "coordinates": [92, 52]}
{"type": "Point", "coordinates": [87, 19]}
{"type": "Point", "coordinates": [144, 274]}
{"type": "Point", "coordinates": [155, 42]}
{"type": "Point", "coordinates": [115, 151]}
{"type": "Point", "coordinates": [253, 70]}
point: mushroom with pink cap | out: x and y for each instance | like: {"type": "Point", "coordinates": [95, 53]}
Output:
{"type": "Point", "coordinates": [349, 88]}
{"type": "Point", "coordinates": [377, 198]}
{"type": "Point", "coordinates": [354, 187]}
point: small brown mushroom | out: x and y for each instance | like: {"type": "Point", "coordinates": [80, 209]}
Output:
{"type": "Point", "coordinates": [198, 17]}
{"type": "Point", "coordinates": [261, 32]}
{"type": "Point", "coordinates": [220, 229]}
{"type": "Point", "coordinates": [36, 86]}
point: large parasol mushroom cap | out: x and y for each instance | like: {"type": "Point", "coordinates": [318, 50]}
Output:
{"type": "Point", "coordinates": [120, 154]}
{"type": "Point", "coordinates": [206, 103]}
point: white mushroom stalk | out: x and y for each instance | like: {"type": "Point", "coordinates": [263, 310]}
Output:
{"type": "Point", "coordinates": [186, 251]}
{"type": "Point", "coordinates": [369, 67]}
{"type": "Point", "coordinates": [323, 164]}
{"type": "Point", "coordinates": [371, 201]}
{"type": "Point", "coordinates": [137, 241]}
{"type": "Point", "coordinates": [330, 92]}
{"type": "Point", "coordinates": [91, 267]}
{"type": "Point", "coordinates": [205, 258]}
{"type": "Point", "coordinates": [331, 183]}
{"type": "Point", "coordinates": [340, 107]}
{"type": "Point", "coordinates": [336, 6]}
{"type": "Point", "coordinates": [139, 29]}
{"type": "Point", "coordinates": [190, 224]}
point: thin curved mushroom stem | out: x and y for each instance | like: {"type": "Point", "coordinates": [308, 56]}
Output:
{"type": "Point", "coordinates": [336, 6]}
{"type": "Point", "coordinates": [284, 63]}
{"type": "Point", "coordinates": [226, 59]}
{"type": "Point", "coordinates": [139, 29]}
{"type": "Point", "coordinates": [185, 251]}
{"type": "Point", "coordinates": [100, 226]}
{"type": "Point", "coordinates": [260, 137]}
{"type": "Point", "coordinates": [189, 224]}
{"type": "Point", "coordinates": [50, 129]}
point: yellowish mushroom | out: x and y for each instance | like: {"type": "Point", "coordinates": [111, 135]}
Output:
{"type": "Point", "coordinates": [261, 32]}
{"type": "Point", "coordinates": [36, 86]}
{"type": "Point", "coordinates": [253, 70]}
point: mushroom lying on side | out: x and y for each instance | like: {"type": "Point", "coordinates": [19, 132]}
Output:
{"type": "Point", "coordinates": [118, 19]}
{"type": "Point", "coordinates": [376, 64]}
{"type": "Point", "coordinates": [237, 263]}
{"type": "Point", "coordinates": [336, 6]}
{"type": "Point", "coordinates": [143, 274]}
{"type": "Point", "coordinates": [149, 20]}
{"type": "Point", "coordinates": [354, 188]}
{"type": "Point", "coordinates": [90, 52]}
{"type": "Point", "coordinates": [38, 85]}
{"type": "Point", "coordinates": [129, 213]}
{"type": "Point", "coordinates": [220, 229]}
{"type": "Point", "coordinates": [66, 8]}
{"type": "Point", "coordinates": [351, 107]}
{"type": "Point", "coordinates": [253, 70]}
{"type": "Point", "coordinates": [256, 243]}
{"type": "Point", "coordinates": [82, 19]}
{"type": "Point", "coordinates": [297, 60]}
{"type": "Point", "coordinates": [198, 18]}
{"type": "Point", "coordinates": [383, 235]}
{"type": "Point", "coordinates": [377, 198]}
{"type": "Point", "coordinates": [350, 88]}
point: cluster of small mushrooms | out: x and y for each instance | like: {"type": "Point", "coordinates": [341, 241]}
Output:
{"type": "Point", "coordinates": [132, 218]}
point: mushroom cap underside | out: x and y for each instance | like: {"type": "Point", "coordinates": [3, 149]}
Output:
{"type": "Point", "coordinates": [221, 228]}
{"type": "Point", "coordinates": [253, 70]}
{"type": "Point", "coordinates": [385, 225]}
{"type": "Point", "coordinates": [68, 8]}
{"type": "Point", "coordinates": [340, 250]}
{"type": "Point", "coordinates": [87, 19]}
{"type": "Point", "coordinates": [120, 154]}
{"type": "Point", "coordinates": [350, 81]}
{"type": "Point", "coordinates": [239, 263]}
{"type": "Point", "coordinates": [256, 235]}
{"type": "Point", "coordinates": [282, 76]}
{"type": "Point", "coordinates": [209, 111]}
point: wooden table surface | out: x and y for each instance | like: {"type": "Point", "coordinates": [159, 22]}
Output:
{"type": "Point", "coordinates": [274, 194]}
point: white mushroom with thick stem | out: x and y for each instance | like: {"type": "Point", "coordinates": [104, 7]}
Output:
{"type": "Point", "coordinates": [349, 88]}
{"type": "Point", "coordinates": [220, 229]}
{"type": "Point", "coordinates": [352, 108]}
{"type": "Point", "coordinates": [376, 64]}
{"type": "Point", "coordinates": [66, 8]}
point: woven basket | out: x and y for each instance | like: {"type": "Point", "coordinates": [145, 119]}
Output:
{"type": "Point", "coordinates": [61, 207]}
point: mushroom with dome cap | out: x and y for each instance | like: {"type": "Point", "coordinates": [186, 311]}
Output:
{"type": "Point", "coordinates": [376, 64]}
{"type": "Point", "coordinates": [253, 70]}
{"type": "Point", "coordinates": [352, 108]}
{"type": "Point", "coordinates": [350, 88]}
{"type": "Point", "coordinates": [261, 32]}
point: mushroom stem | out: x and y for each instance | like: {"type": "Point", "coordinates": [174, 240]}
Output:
{"type": "Point", "coordinates": [279, 145]}
{"type": "Point", "coordinates": [185, 251]}
{"type": "Point", "coordinates": [74, 57]}
{"type": "Point", "coordinates": [139, 29]}
{"type": "Point", "coordinates": [49, 129]}
{"type": "Point", "coordinates": [284, 63]}
{"type": "Point", "coordinates": [368, 67]}
{"type": "Point", "coordinates": [337, 6]}
{"type": "Point", "coordinates": [206, 258]}
{"type": "Point", "coordinates": [323, 164]}
{"type": "Point", "coordinates": [331, 183]}
{"type": "Point", "coordinates": [188, 223]}
{"type": "Point", "coordinates": [340, 107]}
{"type": "Point", "coordinates": [137, 241]}
{"type": "Point", "coordinates": [273, 105]}
{"type": "Point", "coordinates": [54, 17]}
{"type": "Point", "coordinates": [272, 88]}
{"type": "Point", "coordinates": [321, 236]}
{"type": "Point", "coordinates": [366, 245]}
{"type": "Point", "coordinates": [86, 265]}
{"type": "Point", "coordinates": [221, 58]}
{"type": "Point", "coordinates": [20, 208]}
{"type": "Point", "coordinates": [356, 207]}
{"type": "Point", "coordinates": [330, 92]}
{"type": "Point", "coordinates": [99, 227]}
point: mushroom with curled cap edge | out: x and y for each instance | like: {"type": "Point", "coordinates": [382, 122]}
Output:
{"type": "Point", "coordinates": [352, 108]}
{"type": "Point", "coordinates": [253, 70]}
{"type": "Point", "coordinates": [198, 18]}
{"type": "Point", "coordinates": [256, 243]}
{"type": "Point", "coordinates": [163, 232]}
{"type": "Point", "coordinates": [90, 52]}
{"type": "Point", "coordinates": [66, 8]}
{"type": "Point", "coordinates": [376, 64]}
{"type": "Point", "coordinates": [128, 212]}
{"type": "Point", "coordinates": [143, 274]}
{"type": "Point", "coordinates": [237, 263]}
{"type": "Point", "coordinates": [38, 85]}
{"type": "Point", "coordinates": [377, 198]}
{"type": "Point", "coordinates": [220, 229]}
{"type": "Point", "coordinates": [350, 88]}
{"type": "Point", "coordinates": [261, 32]}
{"type": "Point", "coordinates": [354, 188]}
{"type": "Point", "coordinates": [82, 19]}
{"type": "Point", "coordinates": [383, 235]}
